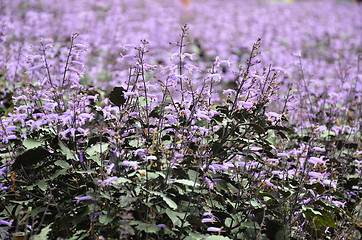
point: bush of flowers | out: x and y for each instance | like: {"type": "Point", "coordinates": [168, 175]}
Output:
{"type": "Point", "coordinates": [234, 126]}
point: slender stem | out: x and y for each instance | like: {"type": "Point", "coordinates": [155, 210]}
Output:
{"type": "Point", "coordinates": [68, 58]}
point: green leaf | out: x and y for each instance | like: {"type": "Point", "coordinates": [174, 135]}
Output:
{"type": "Point", "coordinates": [134, 143]}
{"type": "Point", "coordinates": [76, 235]}
{"type": "Point", "coordinates": [62, 164]}
{"type": "Point", "coordinates": [66, 151]}
{"type": "Point", "coordinates": [317, 187]}
{"type": "Point", "coordinates": [229, 221]}
{"type": "Point", "coordinates": [168, 200]}
{"type": "Point", "coordinates": [42, 185]}
{"type": "Point", "coordinates": [257, 128]}
{"type": "Point", "coordinates": [289, 130]}
{"type": "Point", "coordinates": [249, 225]}
{"type": "Point", "coordinates": [106, 218]}
{"type": "Point", "coordinates": [30, 157]}
{"type": "Point", "coordinates": [285, 192]}
{"type": "Point", "coordinates": [255, 203]}
{"type": "Point", "coordinates": [186, 182]}
{"type": "Point", "coordinates": [282, 135]}
{"type": "Point", "coordinates": [89, 171]}
{"type": "Point", "coordinates": [311, 210]}
{"type": "Point", "coordinates": [283, 231]}
{"type": "Point", "coordinates": [195, 221]}
{"type": "Point", "coordinates": [147, 227]}
{"type": "Point", "coordinates": [106, 195]}
{"type": "Point", "coordinates": [272, 138]}
{"type": "Point", "coordinates": [122, 180]}
{"type": "Point", "coordinates": [221, 185]}
{"type": "Point", "coordinates": [117, 96]}
{"type": "Point", "coordinates": [329, 221]}
{"type": "Point", "coordinates": [43, 235]}
{"type": "Point", "coordinates": [217, 238]}
{"type": "Point", "coordinates": [192, 174]}
{"type": "Point", "coordinates": [30, 143]}
{"type": "Point", "coordinates": [195, 236]}
{"type": "Point", "coordinates": [95, 151]}
{"type": "Point", "coordinates": [175, 217]}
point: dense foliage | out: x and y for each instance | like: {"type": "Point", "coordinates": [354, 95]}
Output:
{"type": "Point", "coordinates": [243, 124]}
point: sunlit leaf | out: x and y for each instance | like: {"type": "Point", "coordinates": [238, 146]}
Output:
{"type": "Point", "coordinates": [30, 144]}
{"type": "Point", "coordinates": [42, 185]}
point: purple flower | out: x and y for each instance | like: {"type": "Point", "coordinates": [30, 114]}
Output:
{"type": "Point", "coordinates": [33, 57]}
{"type": "Point", "coordinates": [321, 128]}
{"type": "Point", "coordinates": [7, 223]}
{"type": "Point", "coordinates": [273, 115]}
{"type": "Point", "coordinates": [202, 114]}
{"type": "Point", "coordinates": [78, 63]}
{"type": "Point", "coordinates": [130, 164]}
{"type": "Point", "coordinates": [206, 220]}
{"type": "Point", "coordinates": [283, 154]}
{"type": "Point", "coordinates": [215, 75]}
{"type": "Point", "coordinates": [9, 137]}
{"type": "Point", "coordinates": [139, 152]}
{"type": "Point", "coordinates": [36, 67]}
{"type": "Point", "coordinates": [209, 183]}
{"type": "Point", "coordinates": [214, 229]}
{"type": "Point", "coordinates": [267, 182]}
{"type": "Point", "coordinates": [151, 158]}
{"type": "Point", "coordinates": [207, 213]}
{"type": "Point", "coordinates": [339, 203]}
{"type": "Point", "coordinates": [129, 93]}
{"type": "Point", "coordinates": [2, 170]}
{"type": "Point", "coordinates": [256, 148]}
{"type": "Point", "coordinates": [10, 128]}
{"type": "Point", "coordinates": [72, 69]}
{"type": "Point", "coordinates": [278, 69]}
{"type": "Point", "coordinates": [84, 198]}
{"type": "Point", "coordinates": [260, 78]}
{"type": "Point", "coordinates": [319, 149]}
{"type": "Point", "coordinates": [246, 105]}
{"type": "Point", "coordinates": [316, 175]}
{"type": "Point", "coordinates": [332, 183]}
{"type": "Point", "coordinates": [80, 46]}
{"type": "Point", "coordinates": [109, 180]}
{"type": "Point", "coordinates": [109, 168]}
{"type": "Point", "coordinates": [316, 160]}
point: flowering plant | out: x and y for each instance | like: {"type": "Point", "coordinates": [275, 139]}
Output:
{"type": "Point", "coordinates": [187, 146]}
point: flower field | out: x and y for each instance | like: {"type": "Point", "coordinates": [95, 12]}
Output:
{"type": "Point", "coordinates": [199, 119]}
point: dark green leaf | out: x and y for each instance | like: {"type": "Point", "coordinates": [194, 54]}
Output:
{"type": "Point", "coordinates": [117, 96]}
{"type": "Point", "coordinates": [31, 157]}
{"type": "Point", "coordinates": [257, 128]}
{"type": "Point", "coordinates": [106, 218]}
